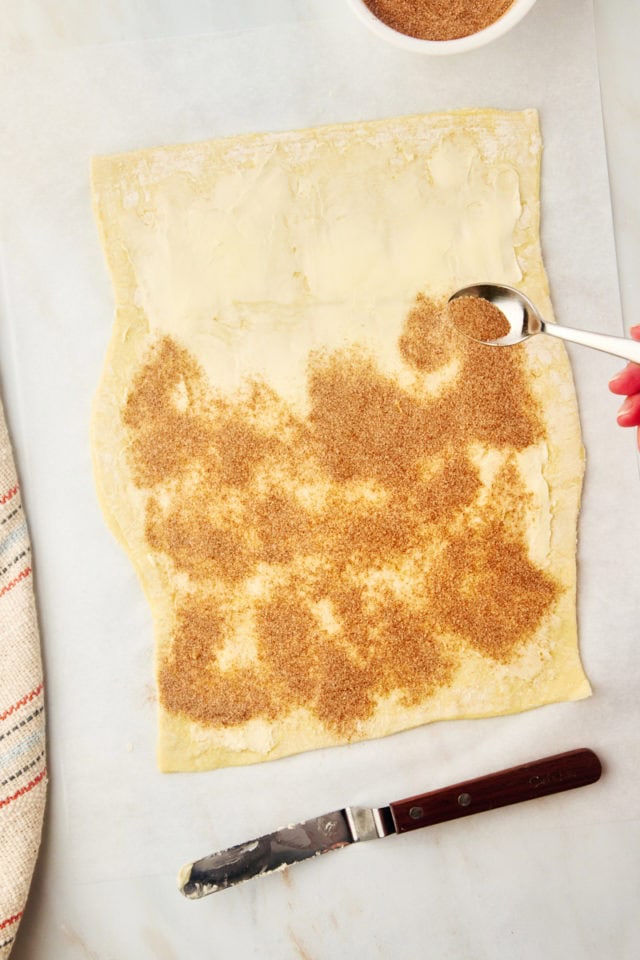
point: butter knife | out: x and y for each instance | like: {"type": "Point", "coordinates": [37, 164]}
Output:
{"type": "Point", "coordinates": [275, 851]}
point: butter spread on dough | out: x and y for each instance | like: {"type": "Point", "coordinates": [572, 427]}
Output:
{"type": "Point", "coordinates": [348, 519]}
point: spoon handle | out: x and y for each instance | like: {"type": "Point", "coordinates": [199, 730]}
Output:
{"type": "Point", "coordinates": [617, 346]}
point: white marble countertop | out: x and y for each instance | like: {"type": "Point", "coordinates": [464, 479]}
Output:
{"type": "Point", "coordinates": [560, 882]}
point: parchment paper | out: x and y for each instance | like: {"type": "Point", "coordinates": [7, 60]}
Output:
{"type": "Point", "coordinates": [114, 820]}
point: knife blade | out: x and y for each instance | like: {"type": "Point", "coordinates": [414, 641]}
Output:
{"type": "Point", "coordinates": [332, 831]}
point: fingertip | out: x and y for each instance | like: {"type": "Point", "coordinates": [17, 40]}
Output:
{"type": "Point", "coordinates": [629, 413]}
{"type": "Point", "coordinates": [626, 381]}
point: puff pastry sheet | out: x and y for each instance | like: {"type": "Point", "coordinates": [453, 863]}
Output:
{"type": "Point", "coordinates": [277, 448]}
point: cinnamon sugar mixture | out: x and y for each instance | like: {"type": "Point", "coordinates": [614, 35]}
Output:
{"type": "Point", "coordinates": [328, 561]}
{"type": "Point", "coordinates": [478, 318]}
{"type": "Point", "coordinates": [438, 19]}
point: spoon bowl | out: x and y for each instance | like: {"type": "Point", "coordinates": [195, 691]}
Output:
{"type": "Point", "coordinates": [525, 321]}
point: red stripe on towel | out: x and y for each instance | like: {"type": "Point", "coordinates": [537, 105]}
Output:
{"type": "Point", "coordinates": [28, 697]}
{"type": "Point", "coordinates": [21, 576]}
{"type": "Point", "coordinates": [5, 499]}
{"type": "Point", "coordinates": [10, 920]}
{"type": "Point", "coordinates": [21, 792]}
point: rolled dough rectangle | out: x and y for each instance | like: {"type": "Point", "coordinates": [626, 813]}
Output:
{"type": "Point", "coordinates": [285, 448]}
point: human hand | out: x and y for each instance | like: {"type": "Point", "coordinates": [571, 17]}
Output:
{"type": "Point", "coordinates": [627, 383]}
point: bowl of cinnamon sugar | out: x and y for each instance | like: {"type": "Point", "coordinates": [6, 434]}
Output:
{"type": "Point", "coordinates": [440, 26]}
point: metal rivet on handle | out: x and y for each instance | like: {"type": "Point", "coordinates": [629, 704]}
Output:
{"type": "Point", "coordinates": [464, 799]}
{"type": "Point", "coordinates": [416, 812]}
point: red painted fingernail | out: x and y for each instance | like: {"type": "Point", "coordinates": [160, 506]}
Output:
{"type": "Point", "coordinates": [625, 408]}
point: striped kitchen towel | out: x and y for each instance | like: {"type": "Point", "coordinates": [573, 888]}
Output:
{"type": "Point", "coordinates": [23, 772]}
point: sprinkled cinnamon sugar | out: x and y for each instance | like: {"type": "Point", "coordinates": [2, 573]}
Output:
{"type": "Point", "coordinates": [496, 597]}
{"type": "Point", "coordinates": [478, 318]}
{"type": "Point", "coordinates": [438, 19]}
{"type": "Point", "coordinates": [328, 561]}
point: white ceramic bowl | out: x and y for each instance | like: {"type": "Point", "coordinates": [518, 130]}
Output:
{"type": "Point", "coordinates": [514, 14]}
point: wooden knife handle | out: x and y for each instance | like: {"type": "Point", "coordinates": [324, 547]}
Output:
{"type": "Point", "coordinates": [564, 771]}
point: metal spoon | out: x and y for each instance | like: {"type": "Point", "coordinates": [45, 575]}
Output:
{"type": "Point", "coordinates": [526, 321]}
